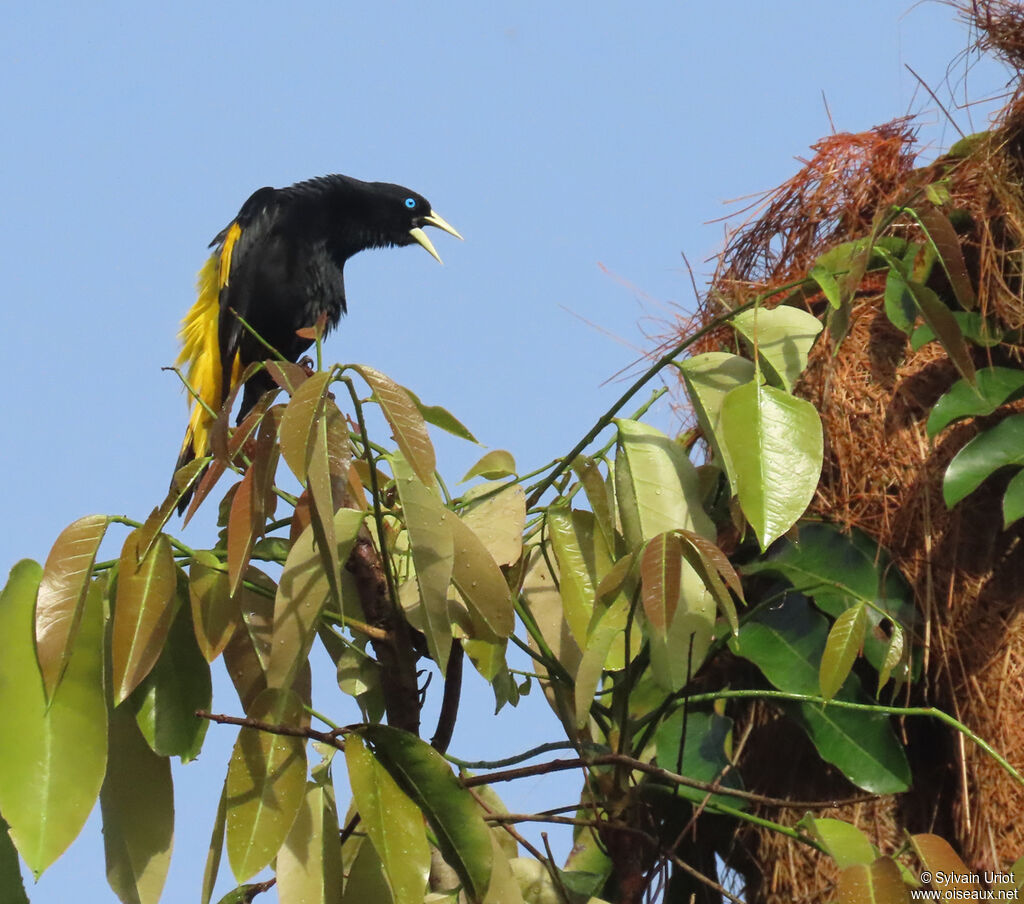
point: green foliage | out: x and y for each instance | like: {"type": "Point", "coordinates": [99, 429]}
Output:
{"type": "Point", "coordinates": [605, 571]}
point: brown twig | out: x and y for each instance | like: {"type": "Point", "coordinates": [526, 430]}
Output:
{"type": "Point", "coordinates": [292, 731]}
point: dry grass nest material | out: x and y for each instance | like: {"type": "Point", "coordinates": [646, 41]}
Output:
{"type": "Point", "coordinates": [883, 474]}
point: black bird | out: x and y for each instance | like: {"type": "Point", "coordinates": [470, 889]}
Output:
{"type": "Point", "coordinates": [278, 266]}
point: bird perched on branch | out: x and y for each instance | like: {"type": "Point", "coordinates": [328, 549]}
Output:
{"type": "Point", "coordinates": [277, 268]}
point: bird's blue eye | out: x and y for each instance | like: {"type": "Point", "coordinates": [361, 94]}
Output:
{"type": "Point", "coordinates": [410, 203]}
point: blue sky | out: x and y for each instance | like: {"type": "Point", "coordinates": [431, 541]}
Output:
{"type": "Point", "coordinates": [579, 148]}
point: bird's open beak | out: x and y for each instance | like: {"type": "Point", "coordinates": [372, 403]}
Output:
{"type": "Point", "coordinates": [432, 219]}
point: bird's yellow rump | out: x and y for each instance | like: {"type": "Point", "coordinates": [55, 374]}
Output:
{"type": "Point", "coordinates": [200, 345]}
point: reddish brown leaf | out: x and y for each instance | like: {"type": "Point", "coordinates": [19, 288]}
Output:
{"type": "Point", "coordinates": [61, 596]}
{"type": "Point", "coordinates": [287, 375]}
{"type": "Point", "coordinates": [213, 473]}
{"type": "Point", "coordinates": [661, 576]}
{"type": "Point", "coordinates": [241, 532]}
{"type": "Point", "coordinates": [947, 244]}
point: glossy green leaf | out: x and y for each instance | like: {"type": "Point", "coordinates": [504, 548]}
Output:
{"type": "Point", "coordinates": [480, 582]}
{"type": "Point", "coordinates": [783, 337]}
{"type": "Point", "coordinates": [656, 484]}
{"type": "Point", "coordinates": [215, 612]}
{"type": "Point", "coordinates": [462, 835]}
{"type": "Point", "coordinates": [709, 378]}
{"type": "Point", "coordinates": [493, 466]}
{"type": "Point", "coordinates": [166, 700]}
{"type": "Point", "coordinates": [143, 611]}
{"type": "Point", "coordinates": [301, 595]}
{"type": "Point", "coordinates": [137, 802]}
{"type": "Point", "coordinates": [775, 443]}
{"type": "Point", "coordinates": [700, 754]}
{"type": "Point", "coordinates": [266, 783]}
{"type": "Point", "coordinates": [1013, 500]}
{"type": "Point", "coordinates": [661, 567]}
{"type": "Point", "coordinates": [894, 650]}
{"type": "Point", "coordinates": [433, 554]}
{"type": "Point", "coordinates": [977, 328]}
{"type": "Point", "coordinates": [216, 849]}
{"type": "Point", "coordinates": [12, 889]}
{"type": "Point", "coordinates": [839, 570]}
{"type": "Point", "coordinates": [442, 418]}
{"type": "Point", "coordinates": [676, 656]}
{"type": "Point", "coordinates": [786, 642]}
{"type": "Point", "coordinates": [62, 592]}
{"type": "Point", "coordinates": [599, 495]}
{"type": "Point", "coordinates": [828, 284]}
{"type": "Point", "coordinates": [582, 561]}
{"type": "Point", "coordinates": [53, 757]}
{"type": "Point", "coordinates": [844, 842]}
{"type": "Point", "coordinates": [998, 447]}
{"type": "Point", "coordinates": [877, 883]}
{"type": "Point", "coordinates": [365, 882]}
{"type": "Point", "coordinates": [995, 387]}
{"type": "Point", "coordinates": [407, 424]}
{"type": "Point", "coordinates": [609, 625]}
{"type": "Point", "coordinates": [496, 513]}
{"type": "Point", "coordinates": [844, 642]}
{"type": "Point", "coordinates": [298, 423]}
{"type": "Point", "coordinates": [393, 822]}
{"type": "Point", "coordinates": [308, 867]}
{"type": "Point", "coordinates": [946, 242]}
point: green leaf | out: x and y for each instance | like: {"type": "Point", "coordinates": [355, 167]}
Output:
{"type": "Point", "coordinates": [657, 487]}
{"type": "Point", "coordinates": [661, 566]}
{"type": "Point", "coordinates": [496, 513]}
{"type": "Point", "coordinates": [493, 466]}
{"type": "Point", "coordinates": [609, 625]}
{"type": "Point", "coordinates": [480, 582]}
{"type": "Point", "coordinates": [786, 643]}
{"type": "Point", "coordinates": [393, 822]}
{"type": "Point", "coordinates": [266, 783]}
{"type": "Point", "coordinates": [998, 447]}
{"type": "Point", "coordinates": [301, 595]}
{"type": "Point", "coordinates": [405, 420]}
{"type": "Point", "coordinates": [599, 495]}
{"type": "Point", "coordinates": [52, 763]}
{"type": "Point", "coordinates": [442, 418]}
{"type": "Point", "coordinates": [775, 443]}
{"type": "Point", "coordinates": [143, 612]}
{"type": "Point", "coordinates": [715, 570]}
{"type": "Point", "coordinates": [943, 324]}
{"type": "Point", "coordinates": [582, 561]}
{"type": "Point", "coordinates": [844, 642]}
{"type": "Point", "coordinates": [365, 882]}
{"type": "Point", "coordinates": [308, 865]}
{"type": "Point", "coordinates": [213, 856]}
{"type": "Point", "coordinates": [877, 883]}
{"type": "Point", "coordinates": [678, 655]}
{"type": "Point", "coordinates": [700, 754]}
{"type": "Point", "coordinates": [137, 802]}
{"type": "Point", "coordinates": [782, 336]}
{"type": "Point", "coordinates": [62, 592]}
{"type": "Point", "coordinates": [166, 701]}
{"type": "Point", "coordinates": [433, 554]}
{"type": "Point", "coordinates": [709, 378]}
{"type": "Point", "coordinates": [12, 889]}
{"type": "Point", "coordinates": [844, 843]}
{"type": "Point", "coordinates": [1013, 500]}
{"type": "Point", "coordinates": [974, 326]}
{"type": "Point", "coordinates": [893, 655]}
{"type": "Point", "coordinates": [995, 387]}
{"type": "Point", "coordinates": [215, 612]}
{"type": "Point", "coordinates": [298, 423]}
{"type": "Point", "coordinates": [828, 283]}
{"type": "Point", "coordinates": [462, 836]}
{"type": "Point", "coordinates": [839, 570]}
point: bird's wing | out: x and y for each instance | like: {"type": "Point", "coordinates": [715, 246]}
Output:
{"type": "Point", "coordinates": [209, 334]}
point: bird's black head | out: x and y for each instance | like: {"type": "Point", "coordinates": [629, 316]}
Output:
{"type": "Point", "coordinates": [377, 215]}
